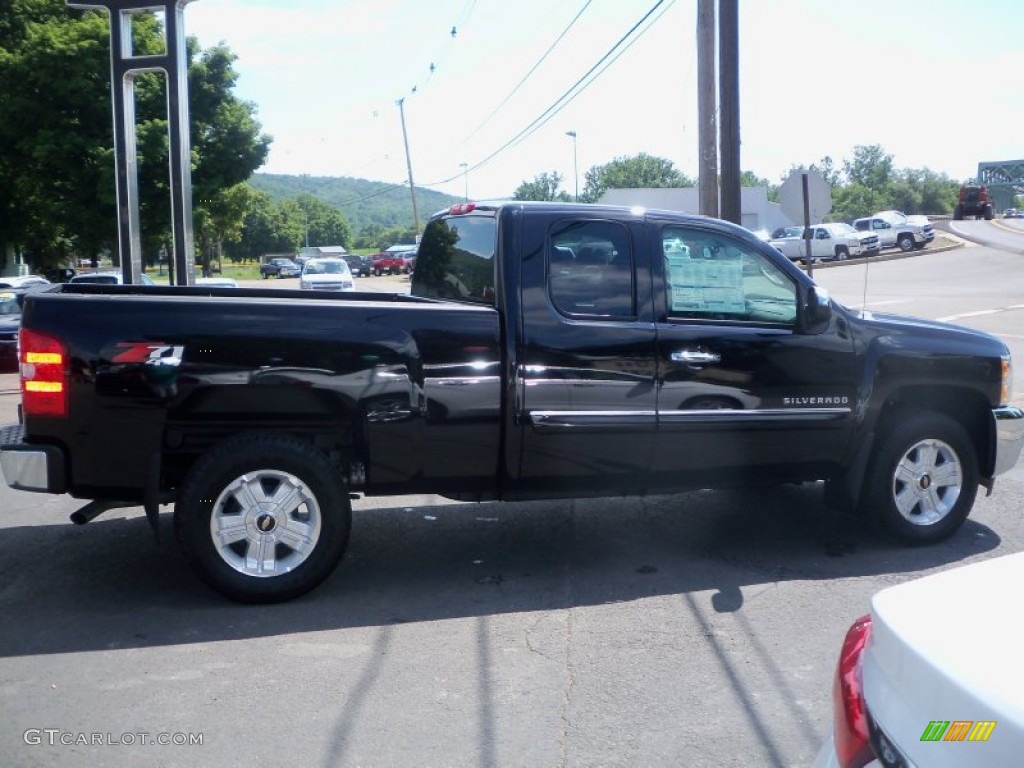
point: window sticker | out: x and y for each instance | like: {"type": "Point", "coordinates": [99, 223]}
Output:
{"type": "Point", "coordinates": [706, 286]}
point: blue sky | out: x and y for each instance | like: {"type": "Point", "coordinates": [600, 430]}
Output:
{"type": "Point", "coordinates": [937, 83]}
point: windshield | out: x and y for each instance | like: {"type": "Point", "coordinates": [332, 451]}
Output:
{"type": "Point", "coordinates": [9, 304]}
{"type": "Point", "coordinates": [456, 259]}
{"type": "Point", "coordinates": [842, 229]}
{"type": "Point", "coordinates": [326, 267]}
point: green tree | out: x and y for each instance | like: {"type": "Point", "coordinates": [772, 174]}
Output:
{"type": "Point", "coordinates": [57, 191]}
{"type": "Point", "coordinates": [751, 179]}
{"type": "Point", "coordinates": [634, 172]}
{"type": "Point", "coordinates": [871, 167]}
{"type": "Point", "coordinates": [543, 187]}
{"type": "Point", "coordinates": [323, 222]}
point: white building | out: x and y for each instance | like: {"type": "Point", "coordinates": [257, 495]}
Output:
{"type": "Point", "coordinates": [755, 210]}
{"type": "Point", "coordinates": [322, 251]}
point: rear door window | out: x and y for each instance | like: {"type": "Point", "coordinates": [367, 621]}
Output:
{"type": "Point", "coordinates": [456, 259]}
{"type": "Point", "coordinates": [590, 269]}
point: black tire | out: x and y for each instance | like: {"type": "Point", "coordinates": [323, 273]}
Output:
{"type": "Point", "coordinates": [905, 242]}
{"type": "Point", "coordinates": [307, 536]}
{"type": "Point", "coordinates": [989, 213]}
{"type": "Point", "coordinates": [958, 213]}
{"type": "Point", "coordinates": [842, 253]}
{"type": "Point", "coordinates": [264, 275]}
{"type": "Point", "coordinates": [925, 466]}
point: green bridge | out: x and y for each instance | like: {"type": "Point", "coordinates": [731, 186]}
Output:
{"type": "Point", "coordinates": [1004, 179]}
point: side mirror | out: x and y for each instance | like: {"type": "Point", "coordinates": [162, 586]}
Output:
{"type": "Point", "coordinates": [818, 310]}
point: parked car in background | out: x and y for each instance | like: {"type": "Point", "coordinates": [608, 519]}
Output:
{"type": "Point", "coordinates": [327, 275]}
{"type": "Point", "coordinates": [835, 241]}
{"type": "Point", "coordinates": [407, 253]}
{"type": "Point", "coordinates": [24, 281]}
{"type": "Point", "coordinates": [385, 263]}
{"type": "Point", "coordinates": [932, 676]}
{"type": "Point", "coordinates": [217, 282]}
{"type": "Point", "coordinates": [1011, 213]}
{"type": "Point", "coordinates": [280, 267]}
{"type": "Point", "coordinates": [896, 229]}
{"type": "Point", "coordinates": [109, 277]}
{"type": "Point", "coordinates": [10, 322]}
{"type": "Point", "coordinates": [359, 266]}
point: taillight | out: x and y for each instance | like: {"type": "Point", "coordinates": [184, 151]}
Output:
{"type": "Point", "coordinates": [44, 386]}
{"type": "Point", "coordinates": [851, 718]}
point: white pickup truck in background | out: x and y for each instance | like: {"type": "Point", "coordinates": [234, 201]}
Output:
{"type": "Point", "coordinates": [834, 241]}
{"type": "Point", "coordinates": [896, 229]}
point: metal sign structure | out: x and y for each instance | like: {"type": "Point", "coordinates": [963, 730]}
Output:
{"type": "Point", "coordinates": [125, 66]}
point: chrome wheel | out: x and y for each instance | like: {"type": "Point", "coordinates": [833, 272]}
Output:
{"type": "Point", "coordinates": [923, 478]}
{"type": "Point", "coordinates": [265, 523]}
{"type": "Point", "coordinates": [927, 482]}
{"type": "Point", "coordinates": [263, 518]}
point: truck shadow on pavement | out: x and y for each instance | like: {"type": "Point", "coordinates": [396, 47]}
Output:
{"type": "Point", "coordinates": [110, 585]}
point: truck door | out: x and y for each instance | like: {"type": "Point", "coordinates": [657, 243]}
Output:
{"type": "Point", "coordinates": [741, 389]}
{"type": "Point", "coordinates": [585, 365]}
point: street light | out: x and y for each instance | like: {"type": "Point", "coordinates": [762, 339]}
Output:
{"type": "Point", "coordinates": [465, 178]}
{"type": "Point", "coordinates": [575, 166]}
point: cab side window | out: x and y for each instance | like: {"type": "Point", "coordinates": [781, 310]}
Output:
{"type": "Point", "coordinates": [590, 270]}
{"type": "Point", "coordinates": [710, 276]}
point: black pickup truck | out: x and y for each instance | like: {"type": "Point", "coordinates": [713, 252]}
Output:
{"type": "Point", "coordinates": [545, 351]}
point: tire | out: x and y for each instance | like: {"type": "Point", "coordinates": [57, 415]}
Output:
{"type": "Point", "coordinates": [260, 490]}
{"type": "Point", "coordinates": [989, 213]}
{"type": "Point", "coordinates": [905, 242]}
{"type": "Point", "coordinates": [842, 253]}
{"type": "Point", "coordinates": [264, 275]}
{"type": "Point", "coordinates": [921, 484]}
{"type": "Point", "coordinates": [958, 213]}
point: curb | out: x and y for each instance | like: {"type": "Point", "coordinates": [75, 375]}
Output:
{"type": "Point", "coordinates": [889, 256]}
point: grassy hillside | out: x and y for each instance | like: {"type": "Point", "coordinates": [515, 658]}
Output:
{"type": "Point", "coordinates": [361, 201]}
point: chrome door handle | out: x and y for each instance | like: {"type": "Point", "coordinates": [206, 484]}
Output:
{"type": "Point", "coordinates": [694, 356]}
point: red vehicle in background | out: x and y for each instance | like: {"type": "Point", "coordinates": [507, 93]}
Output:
{"type": "Point", "coordinates": [398, 259]}
{"type": "Point", "coordinates": [385, 263]}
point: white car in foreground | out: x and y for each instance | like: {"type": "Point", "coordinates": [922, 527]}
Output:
{"type": "Point", "coordinates": [933, 675]}
{"type": "Point", "coordinates": [326, 275]}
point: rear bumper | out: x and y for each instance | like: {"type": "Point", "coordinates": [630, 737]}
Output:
{"type": "Point", "coordinates": [1009, 427]}
{"type": "Point", "coordinates": [29, 467]}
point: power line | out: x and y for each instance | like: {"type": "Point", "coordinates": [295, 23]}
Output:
{"type": "Point", "coordinates": [528, 74]}
{"type": "Point", "coordinates": [566, 98]}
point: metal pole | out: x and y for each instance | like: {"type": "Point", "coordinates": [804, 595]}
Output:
{"type": "Point", "coordinates": [408, 163]}
{"type": "Point", "coordinates": [124, 67]}
{"type": "Point", "coordinates": [575, 165]}
{"type": "Point", "coordinates": [807, 225]}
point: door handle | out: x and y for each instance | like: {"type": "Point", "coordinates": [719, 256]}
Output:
{"type": "Point", "coordinates": [694, 356]}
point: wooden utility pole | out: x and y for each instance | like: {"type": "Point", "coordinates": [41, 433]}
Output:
{"type": "Point", "coordinates": [729, 109]}
{"type": "Point", "coordinates": [408, 163]}
{"type": "Point", "coordinates": [707, 173]}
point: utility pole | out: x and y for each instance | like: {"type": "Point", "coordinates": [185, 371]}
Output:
{"type": "Point", "coordinates": [729, 105]}
{"type": "Point", "coordinates": [408, 163]}
{"type": "Point", "coordinates": [707, 183]}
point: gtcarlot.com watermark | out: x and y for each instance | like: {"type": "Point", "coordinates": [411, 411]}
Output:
{"type": "Point", "coordinates": [56, 737]}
